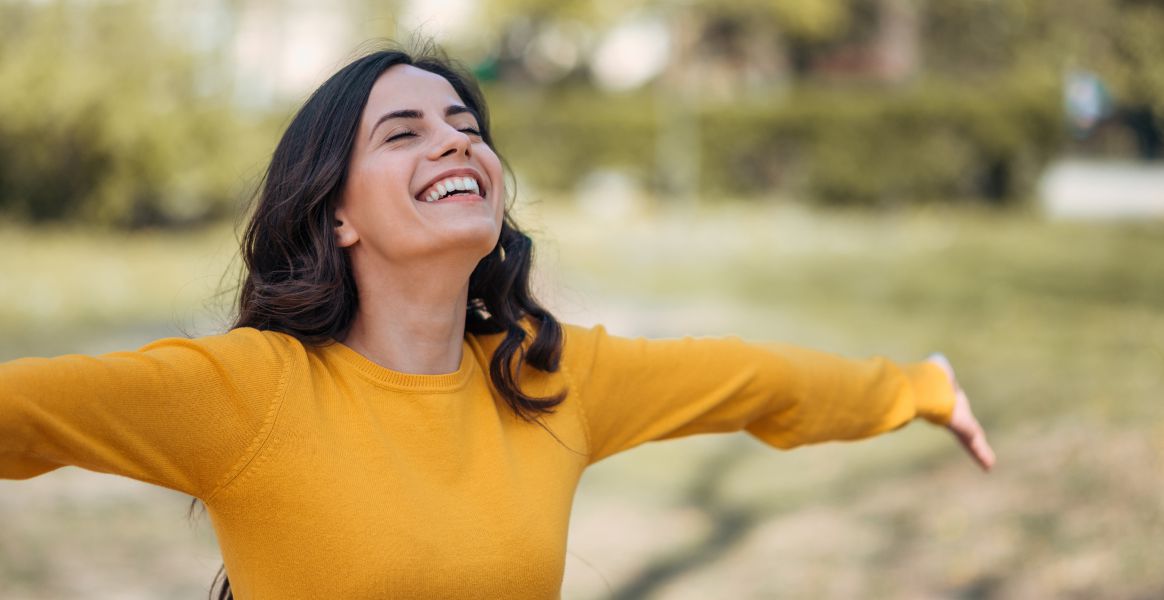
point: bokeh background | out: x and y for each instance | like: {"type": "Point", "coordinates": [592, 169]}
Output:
{"type": "Point", "coordinates": [981, 177]}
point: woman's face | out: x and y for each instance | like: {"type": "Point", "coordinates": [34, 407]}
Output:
{"type": "Point", "coordinates": [421, 182]}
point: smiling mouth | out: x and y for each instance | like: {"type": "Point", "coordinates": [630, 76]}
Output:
{"type": "Point", "coordinates": [451, 187]}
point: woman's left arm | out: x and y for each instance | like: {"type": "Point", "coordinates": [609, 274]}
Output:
{"type": "Point", "coordinates": [637, 390]}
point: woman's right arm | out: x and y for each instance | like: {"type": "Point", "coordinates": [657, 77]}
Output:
{"type": "Point", "coordinates": [184, 414]}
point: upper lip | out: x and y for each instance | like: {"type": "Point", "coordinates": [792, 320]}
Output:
{"type": "Point", "coordinates": [461, 172]}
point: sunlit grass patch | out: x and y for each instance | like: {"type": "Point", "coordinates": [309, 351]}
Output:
{"type": "Point", "coordinates": [68, 284]}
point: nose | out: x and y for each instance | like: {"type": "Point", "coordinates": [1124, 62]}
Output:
{"type": "Point", "coordinates": [451, 142]}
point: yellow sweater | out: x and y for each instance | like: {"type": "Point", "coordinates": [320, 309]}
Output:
{"type": "Point", "coordinates": [328, 476]}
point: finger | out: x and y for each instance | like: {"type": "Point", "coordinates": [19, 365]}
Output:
{"type": "Point", "coordinates": [980, 449]}
{"type": "Point", "coordinates": [973, 438]}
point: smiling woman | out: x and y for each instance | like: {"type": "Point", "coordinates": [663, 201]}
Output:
{"type": "Point", "coordinates": [414, 125]}
{"type": "Point", "coordinates": [398, 220]}
{"type": "Point", "coordinates": [392, 413]}
{"type": "Point", "coordinates": [423, 155]}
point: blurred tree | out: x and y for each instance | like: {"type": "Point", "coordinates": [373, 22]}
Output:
{"type": "Point", "coordinates": [1122, 41]}
{"type": "Point", "coordinates": [1127, 53]}
{"type": "Point", "coordinates": [122, 117]}
{"type": "Point", "coordinates": [110, 119]}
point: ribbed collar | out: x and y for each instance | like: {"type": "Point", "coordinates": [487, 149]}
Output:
{"type": "Point", "coordinates": [413, 382]}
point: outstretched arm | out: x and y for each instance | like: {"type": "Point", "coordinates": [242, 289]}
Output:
{"type": "Point", "coordinates": [637, 390]}
{"type": "Point", "coordinates": [177, 413]}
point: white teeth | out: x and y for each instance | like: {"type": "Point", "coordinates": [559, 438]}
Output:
{"type": "Point", "coordinates": [450, 185]}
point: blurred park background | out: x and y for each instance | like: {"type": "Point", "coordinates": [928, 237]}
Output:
{"type": "Point", "coordinates": [980, 177]}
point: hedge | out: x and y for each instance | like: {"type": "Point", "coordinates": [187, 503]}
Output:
{"type": "Point", "coordinates": [839, 146]}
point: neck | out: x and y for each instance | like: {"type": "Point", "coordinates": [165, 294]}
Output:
{"type": "Point", "coordinates": [411, 320]}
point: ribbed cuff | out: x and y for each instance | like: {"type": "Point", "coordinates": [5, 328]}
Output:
{"type": "Point", "coordinates": [933, 391]}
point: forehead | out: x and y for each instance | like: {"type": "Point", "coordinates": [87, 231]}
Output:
{"type": "Point", "coordinates": [405, 87]}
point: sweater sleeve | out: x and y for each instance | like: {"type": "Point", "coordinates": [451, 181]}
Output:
{"type": "Point", "coordinates": [637, 390]}
{"type": "Point", "coordinates": [184, 414]}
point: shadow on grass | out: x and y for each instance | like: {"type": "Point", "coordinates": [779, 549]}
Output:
{"type": "Point", "coordinates": [729, 525]}
{"type": "Point", "coordinates": [731, 521]}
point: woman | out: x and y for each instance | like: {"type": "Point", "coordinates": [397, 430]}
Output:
{"type": "Point", "coordinates": [393, 414]}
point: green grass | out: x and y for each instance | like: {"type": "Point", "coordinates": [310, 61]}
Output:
{"type": "Point", "coordinates": [74, 289]}
{"type": "Point", "coordinates": [1056, 330]}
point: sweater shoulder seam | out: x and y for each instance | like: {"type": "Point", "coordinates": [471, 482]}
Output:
{"type": "Point", "coordinates": [572, 382]}
{"type": "Point", "coordinates": [261, 438]}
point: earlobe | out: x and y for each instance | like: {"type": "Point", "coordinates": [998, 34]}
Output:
{"type": "Point", "coordinates": [345, 236]}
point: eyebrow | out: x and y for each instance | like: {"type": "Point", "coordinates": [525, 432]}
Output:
{"type": "Point", "coordinates": [408, 113]}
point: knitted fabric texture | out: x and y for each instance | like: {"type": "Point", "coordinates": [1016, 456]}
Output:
{"type": "Point", "coordinates": [328, 476]}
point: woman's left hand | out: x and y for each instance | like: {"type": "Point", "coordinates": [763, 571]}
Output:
{"type": "Point", "coordinates": [963, 424]}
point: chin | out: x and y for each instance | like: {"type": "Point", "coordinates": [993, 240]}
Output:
{"type": "Point", "coordinates": [480, 237]}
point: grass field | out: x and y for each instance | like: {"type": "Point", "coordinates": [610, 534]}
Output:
{"type": "Point", "coordinates": [1056, 329]}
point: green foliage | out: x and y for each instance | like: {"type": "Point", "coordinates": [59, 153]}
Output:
{"type": "Point", "coordinates": [820, 20]}
{"type": "Point", "coordinates": [1121, 40]}
{"type": "Point", "coordinates": [556, 138]}
{"type": "Point", "coordinates": [108, 120]}
{"type": "Point", "coordinates": [988, 136]}
{"type": "Point", "coordinates": [840, 146]}
{"type": "Point", "coordinates": [109, 117]}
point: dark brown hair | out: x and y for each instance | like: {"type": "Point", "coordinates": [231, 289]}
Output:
{"type": "Point", "coordinates": [298, 281]}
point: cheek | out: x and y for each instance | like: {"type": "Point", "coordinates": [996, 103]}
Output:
{"type": "Point", "coordinates": [384, 178]}
{"type": "Point", "coordinates": [492, 165]}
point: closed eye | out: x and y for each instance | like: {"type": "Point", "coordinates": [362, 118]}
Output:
{"type": "Point", "coordinates": [401, 135]}
{"type": "Point", "coordinates": [471, 131]}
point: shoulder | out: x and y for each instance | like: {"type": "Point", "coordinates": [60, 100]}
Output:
{"type": "Point", "coordinates": [247, 347]}
{"type": "Point", "coordinates": [581, 339]}
{"type": "Point", "coordinates": [241, 338]}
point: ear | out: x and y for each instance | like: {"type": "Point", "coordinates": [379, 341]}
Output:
{"type": "Point", "coordinates": [345, 234]}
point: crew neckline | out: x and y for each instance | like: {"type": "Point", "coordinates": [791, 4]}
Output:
{"type": "Point", "coordinates": [417, 382]}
